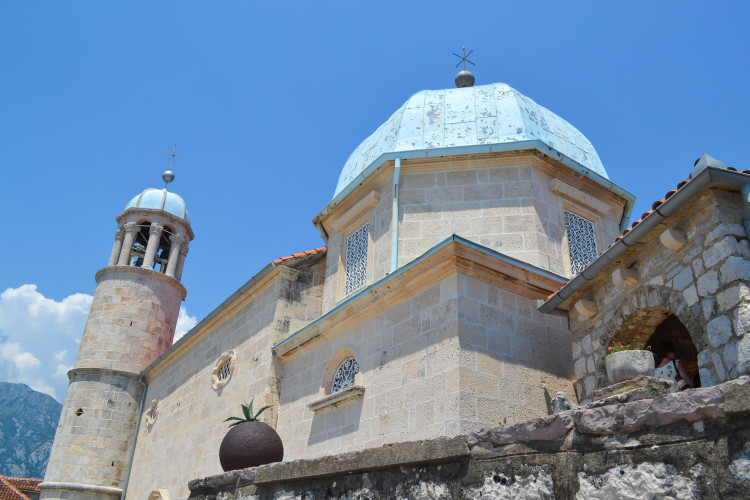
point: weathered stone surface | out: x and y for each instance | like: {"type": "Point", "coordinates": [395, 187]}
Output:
{"type": "Point", "coordinates": [531, 487]}
{"type": "Point", "coordinates": [683, 279]}
{"type": "Point", "coordinates": [735, 268]}
{"type": "Point", "coordinates": [645, 480]}
{"type": "Point", "coordinates": [719, 331]}
{"type": "Point", "coordinates": [415, 452]}
{"type": "Point", "coordinates": [631, 390]}
{"type": "Point", "coordinates": [737, 396]}
{"type": "Point", "coordinates": [708, 284]}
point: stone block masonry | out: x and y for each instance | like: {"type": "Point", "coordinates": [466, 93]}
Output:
{"type": "Point", "coordinates": [705, 284]}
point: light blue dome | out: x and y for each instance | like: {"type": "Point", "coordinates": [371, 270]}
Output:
{"type": "Point", "coordinates": [161, 199]}
{"type": "Point", "coordinates": [468, 120]}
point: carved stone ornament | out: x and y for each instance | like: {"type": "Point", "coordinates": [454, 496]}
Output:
{"type": "Point", "coordinates": [152, 413]}
{"type": "Point", "coordinates": [223, 369]}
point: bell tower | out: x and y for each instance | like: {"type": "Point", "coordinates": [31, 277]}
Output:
{"type": "Point", "coordinates": [131, 323]}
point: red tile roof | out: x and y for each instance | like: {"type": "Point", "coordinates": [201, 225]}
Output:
{"type": "Point", "coordinates": [301, 254]}
{"type": "Point", "coordinates": [12, 488]}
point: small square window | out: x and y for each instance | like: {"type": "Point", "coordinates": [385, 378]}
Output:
{"type": "Point", "coordinates": [581, 241]}
{"type": "Point", "coordinates": [356, 259]}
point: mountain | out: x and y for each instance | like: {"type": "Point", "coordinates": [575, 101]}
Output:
{"type": "Point", "coordinates": [28, 420]}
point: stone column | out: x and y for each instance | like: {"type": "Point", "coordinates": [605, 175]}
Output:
{"type": "Point", "coordinates": [154, 236]}
{"type": "Point", "coordinates": [174, 253]}
{"type": "Point", "coordinates": [117, 248]}
{"type": "Point", "coordinates": [180, 263]}
{"type": "Point", "coordinates": [127, 243]}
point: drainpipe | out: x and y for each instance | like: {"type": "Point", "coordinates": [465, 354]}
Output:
{"type": "Point", "coordinates": [135, 436]}
{"type": "Point", "coordinates": [745, 190]}
{"type": "Point", "coordinates": [394, 215]}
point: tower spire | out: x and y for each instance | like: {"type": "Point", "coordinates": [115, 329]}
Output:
{"type": "Point", "coordinates": [168, 175]}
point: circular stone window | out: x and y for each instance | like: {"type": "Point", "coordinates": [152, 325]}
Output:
{"type": "Point", "coordinates": [223, 369]}
{"type": "Point", "coordinates": [345, 375]}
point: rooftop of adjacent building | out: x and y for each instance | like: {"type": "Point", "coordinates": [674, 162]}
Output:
{"type": "Point", "coordinates": [16, 488]}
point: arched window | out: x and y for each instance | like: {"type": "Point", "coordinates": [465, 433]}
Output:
{"type": "Point", "coordinates": [345, 375]}
{"type": "Point", "coordinates": [161, 259]}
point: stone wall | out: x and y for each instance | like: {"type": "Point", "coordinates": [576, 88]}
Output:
{"type": "Point", "coordinates": [95, 432]}
{"type": "Point", "coordinates": [512, 203]}
{"type": "Point", "coordinates": [132, 319]}
{"type": "Point", "coordinates": [704, 283]}
{"type": "Point", "coordinates": [455, 356]}
{"type": "Point", "coordinates": [190, 412]}
{"type": "Point", "coordinates": [690, 445]}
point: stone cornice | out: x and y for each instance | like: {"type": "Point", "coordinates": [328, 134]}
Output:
{"type": "Point", "coordinates": [453, 255]}
{"type": "Point", "coordinates": [139, 270]}
{"type": "Point", "coordinates": [101, 371]}
{"type": "Point", "coordinates": [162, 213]}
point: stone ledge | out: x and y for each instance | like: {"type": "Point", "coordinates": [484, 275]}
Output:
{"type": "Point", "coordinates": [630, 390]}
{"type": "Point", "coordinates": [390, 455]}
{"type": "Point", "coordinates": [340, 398]}
{"type": "Point", "coordinates": [595, 419]}
{"type": "Point", "coordinates": [412, 453]}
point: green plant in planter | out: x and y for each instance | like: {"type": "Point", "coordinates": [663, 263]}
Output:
{"type": "Point", "coordinates": [251, 444]}
{"type": "Point", "coordinates": [247, 413]}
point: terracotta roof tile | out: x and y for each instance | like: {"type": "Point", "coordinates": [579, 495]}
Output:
{"type": "Point", "coordinates": [11, 487]}
{"type": "Point", "coordinates": [298, 255]}
{"type": "Point", "coordinates": [25, 483]}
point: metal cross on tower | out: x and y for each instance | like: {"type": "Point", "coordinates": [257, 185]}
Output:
{"type": "Point", "coordinates": [464, 58]}
{"type": "Point", "coordinates": [174, 155]}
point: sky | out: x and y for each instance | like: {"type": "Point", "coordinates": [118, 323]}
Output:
{"type": "Point", "coordinates": [265, 102]}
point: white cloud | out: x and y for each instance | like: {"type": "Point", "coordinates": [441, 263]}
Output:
{"type": "Point", "coordinates": [39, 337]}
{"type": "Point", "coordinates": [184, 323]}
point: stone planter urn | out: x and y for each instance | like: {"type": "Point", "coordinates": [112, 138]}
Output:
{"type": "Point", "coordinates": [250, 444]}
{"type": "Point", "coordinates": [626, 365]}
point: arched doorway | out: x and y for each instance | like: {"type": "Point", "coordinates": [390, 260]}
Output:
{"type": "Point", "coordinates": [672, 330]}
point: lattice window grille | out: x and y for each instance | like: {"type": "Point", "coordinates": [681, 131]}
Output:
{"type": "Point", "coordinates": [345, 373]}
{"type": "Point", "coordinates": [581, 241]}
{"type": "Point", "coordinates": [356, 259]}
{"type": "Point", "coordinates": [225, 370]}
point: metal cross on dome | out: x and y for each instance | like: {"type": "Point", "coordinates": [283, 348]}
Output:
{"type": "Point", "coordinates": [173, 155]}
{"type": "Point", "coordinates": [464, 58]}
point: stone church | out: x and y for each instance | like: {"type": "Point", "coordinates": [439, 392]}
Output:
{"type": "Point", "coordinates": [466, 279]}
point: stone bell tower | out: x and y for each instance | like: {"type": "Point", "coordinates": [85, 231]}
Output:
{"type": "Point", "coordinates": [131, 323]}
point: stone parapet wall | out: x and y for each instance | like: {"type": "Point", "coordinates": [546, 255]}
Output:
{"type": "Point", "coordinates": [690, 445]}
{"type": "Point", "coordinates": [704, 284]}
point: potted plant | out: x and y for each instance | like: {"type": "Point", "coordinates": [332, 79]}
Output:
{"type": "Point", "coordinates": [249, 442]}
{"type": "Point", "coordinates": [628, 361]}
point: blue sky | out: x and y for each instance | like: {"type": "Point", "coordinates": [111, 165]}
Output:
{"type": "Point", "coordinates": [266, 101]}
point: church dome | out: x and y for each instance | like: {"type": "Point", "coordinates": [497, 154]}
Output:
{"type": "Point", "coordinates": [469, 120]}
{"type": "Point", "coordinates": [161, 199]}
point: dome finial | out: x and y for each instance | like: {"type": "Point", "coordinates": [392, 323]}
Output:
{"type": "Point", "coordinates": [464, 78]}
{"type": "Point", "coordinates": [168, 175]}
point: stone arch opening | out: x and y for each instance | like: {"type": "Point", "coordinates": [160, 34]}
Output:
{"type": "Point", "coordinates": [672, 330]}
{"type": "Point", "coordinates": [161, 259]}
{"type": "Point", "coordinates": [642, 317]}
{"type": "Point", "coordinates": [140, 242]}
